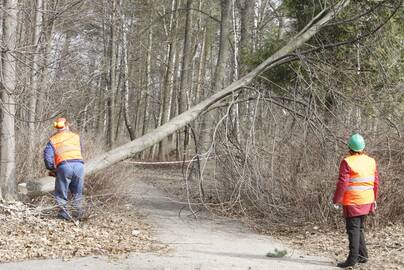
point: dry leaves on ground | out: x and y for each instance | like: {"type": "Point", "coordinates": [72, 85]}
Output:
{"type": "Point", "coordinates": [25, 233]}
{"type": "Point", "coordinates": [386, 246]}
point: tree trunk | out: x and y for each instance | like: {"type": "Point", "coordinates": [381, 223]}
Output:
{"type": "Point", "coordinates": [148, 82]}
{"type": "Point", "coordinates": [185, 67]}
{"type": "Point", "coordinates": [174, 111]}
{"type": "Point", "coordinates": [7, 87]}
{"type": "Point", "coordinates": [103, 88]}
{"type": "Point", "coordinates": [128, 150]}
{"type": "Point", "coordinates": [219, 76]}
{"type": "Point", "coordinates": [201, 67]}
{"type": "Point", "coordinates": [35, 80]}
{"type": "Point", "coordinates": [47, 44]}
{"type": "Point", "coordinates": [111, 117]}
{"type": "Point", "coordinates": [166, 104]}
{"type": "Point", "coordinates": [125, 45]}
{"type": "Point", "coordinates": [147, 91]}
{"type": "Point", "coordinates": [246, 8]}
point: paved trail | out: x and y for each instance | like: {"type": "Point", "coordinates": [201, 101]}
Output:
{"type": "Point", "coordinates": [205, 243]}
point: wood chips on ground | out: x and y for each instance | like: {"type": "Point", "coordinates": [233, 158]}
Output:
{"type": "Point", "coordinates": [27, 234]}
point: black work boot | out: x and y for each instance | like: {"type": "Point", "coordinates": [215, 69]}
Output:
{"type": "Point", "coordinates": [346, 264]}
{"type": "Point", "coordinates": [362, 259]}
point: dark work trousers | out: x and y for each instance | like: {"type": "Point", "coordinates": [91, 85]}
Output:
{"type": "Point", "coordinates": [69, 177]}
{"type": "Point", "coordinates": [356, 236]}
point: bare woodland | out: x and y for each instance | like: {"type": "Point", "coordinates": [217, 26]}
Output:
{"type": "Point", "coordinates": [267, 91]}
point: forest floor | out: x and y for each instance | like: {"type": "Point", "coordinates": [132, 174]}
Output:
{"type": "Point", "coordinates": [184, 242]}
{"type": "Point", "coordinates": [386, 245]}
{"type": "Point", "coordinates": [120, 237]}
{"type": "Point", "coordinates": [34, 233]}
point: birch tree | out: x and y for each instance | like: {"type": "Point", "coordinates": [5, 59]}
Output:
{"type": "Point", "coordinates": [8, 83]}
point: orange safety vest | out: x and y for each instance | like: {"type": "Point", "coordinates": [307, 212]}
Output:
{"type": "Point", "coordinates": [359, 190]}
{"type": "Point", "coordinates": [67, 146]}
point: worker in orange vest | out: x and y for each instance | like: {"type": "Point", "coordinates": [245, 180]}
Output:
{"type": "Point", "coordinates": [356, 191]}
{"type": "Point", "coordinates": [63, 158]}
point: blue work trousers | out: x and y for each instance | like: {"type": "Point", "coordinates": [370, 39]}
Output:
{"type": "Point", "coordinates": [69, 176]}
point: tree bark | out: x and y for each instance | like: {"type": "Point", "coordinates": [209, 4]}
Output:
{"type": "Point", "coordinates": [125, 45]}
{"type": "Point", "coordinates": [166, 98]}
{"type": "Point", "coordinates": [128, 150]}
{"type": "Point", "coordinates": [205, 137]}
{"type": "Point", "coordinates": [48, 22]}
{"type": "Point", "coordinates": [185, 66]}
{"type": "Point", "coordinates": [148, 83]}
{"type": "Point", "coordinates": [202, 65]}
{"type": "Point", "coordinates": [246, 8]}
{"type": "Point", "coordinates": [111, 117]}
{"type": "Point", "coordinates": [7, 87]}
{"type": "Point", "coordinates": [35, 80]}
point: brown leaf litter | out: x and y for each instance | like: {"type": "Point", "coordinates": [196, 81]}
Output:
{"type": "Point", "coordinates": [385, 246]}
{"type": "Point", "coordinates": [27, 233]}
{"type": "Point", "coordinates": [385, 243]}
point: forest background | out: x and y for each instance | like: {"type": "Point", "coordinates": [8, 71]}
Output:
{"type": "Point", "coordinates": [118, 69]}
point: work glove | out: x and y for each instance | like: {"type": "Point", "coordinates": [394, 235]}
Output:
{"type": "Point", "coordinates": [336, 206]}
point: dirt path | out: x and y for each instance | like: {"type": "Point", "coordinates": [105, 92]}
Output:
{"type": "Point", "coordinates": [205, 243]}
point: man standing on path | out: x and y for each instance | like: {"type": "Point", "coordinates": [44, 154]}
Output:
{"type": "Point", "coordinates": [62, 156]}
{"type": "Point", "coordinates": [356, 191]}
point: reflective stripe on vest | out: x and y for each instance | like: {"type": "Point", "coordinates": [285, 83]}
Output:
{"type": "Point", "coordinates": [361, 180]}
{"type": "Point", "coordinates": [67, 146]}
{"type": "Point", "coordinates": [359, 188]}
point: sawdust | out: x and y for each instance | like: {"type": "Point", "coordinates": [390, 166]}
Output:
{"type": "Point", "coordinates": [31, 233]}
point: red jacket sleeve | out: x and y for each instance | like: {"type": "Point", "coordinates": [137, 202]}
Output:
{"type": "Point", "coordinates": [343, 180]}
{"type": "Point", "coordinates": [376, 184]}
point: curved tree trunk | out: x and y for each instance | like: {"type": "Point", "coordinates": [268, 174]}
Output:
{"type": "Point", "coordinates": [128, 150]}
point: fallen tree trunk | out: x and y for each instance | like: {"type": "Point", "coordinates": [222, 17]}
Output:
{"type": "Point", "coordinates": [46, 184]}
